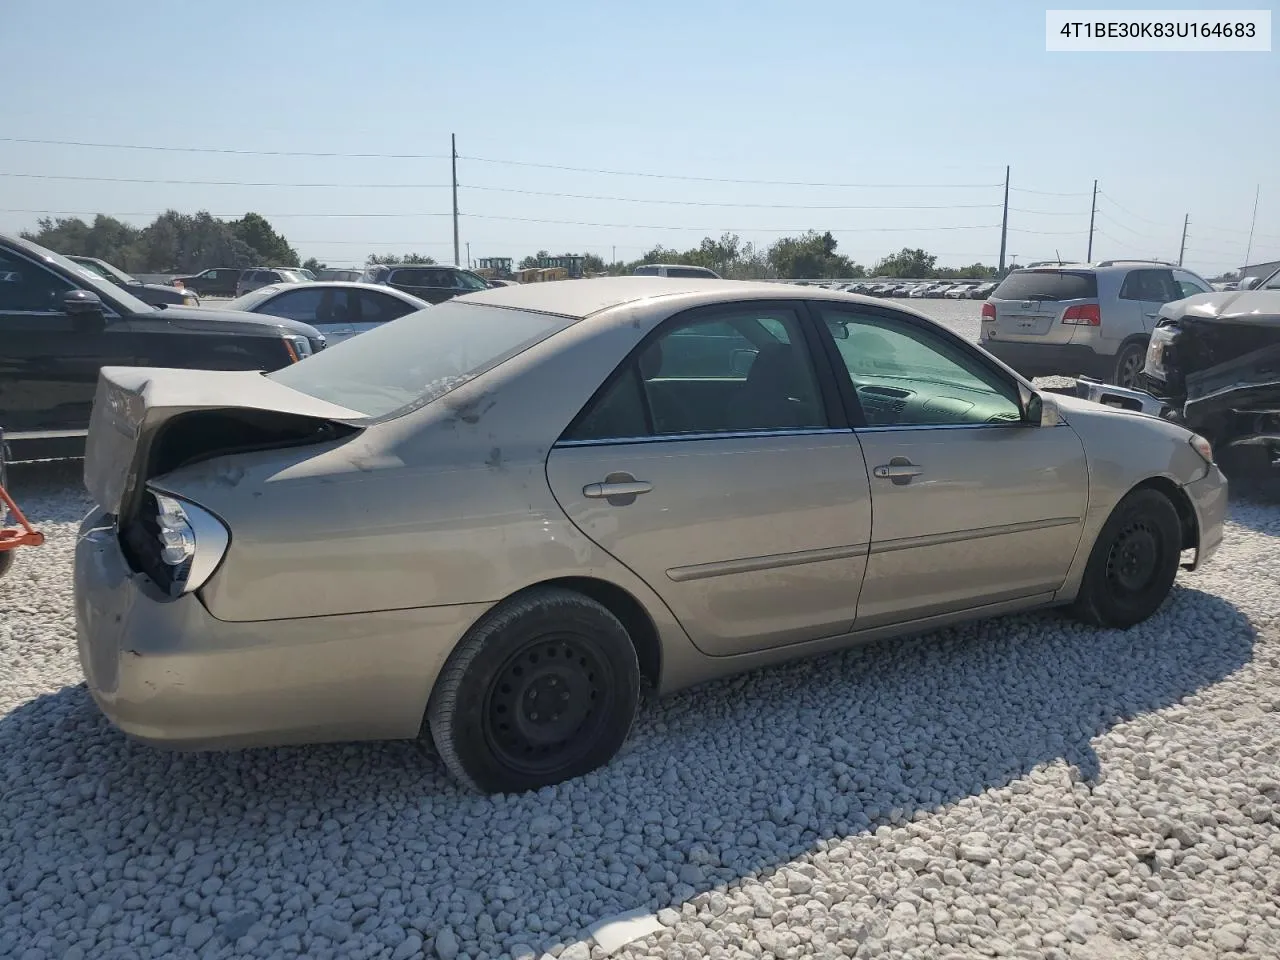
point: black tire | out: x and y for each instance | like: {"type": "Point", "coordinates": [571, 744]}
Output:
{"type": "Point", "coordinates": [550, 643]}
{"type": "Point", "coordinates": [6, 561]}
{"type": "Point", "coordinates": [1133, 563]}
{"type": "Point", "coordinates": [1127, 371]}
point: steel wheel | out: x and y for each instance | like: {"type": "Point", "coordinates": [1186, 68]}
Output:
{"type": "Point", "coordinates": [546, 702]}
{"type": "Point", "coordinates": [1133, 562]}
{"type": "Point", "coordinates": [543, 689]}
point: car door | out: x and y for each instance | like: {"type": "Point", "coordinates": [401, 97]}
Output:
{"type": "Point", "coordinates": [325, 308]}
{"type": "Point", "coordinates": [735, 490]}
{"type": "Point", "coordinates": [1149, 290]}
{"type": "Point", "coordinates": [370, 309]}
{"type": "Point", "coordinates": [49, 360]}
{"type": "Point", "coordinates": [971, 506]}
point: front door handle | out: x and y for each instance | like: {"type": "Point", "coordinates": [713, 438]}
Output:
{"type": "Point", "coordinates": [620, 489]}
{"type": "Point", "coordinates": [900, 470]}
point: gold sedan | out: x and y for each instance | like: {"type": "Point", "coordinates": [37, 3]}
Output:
{"type": "Point", "coordinates": [490, 521]}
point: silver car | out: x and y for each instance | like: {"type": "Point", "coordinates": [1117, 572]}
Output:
{"type": "Point", "coordinates": [1082, 319]}
{"type": "Point", "coordinates": [336, 308]}
{"type": "Point", "coordinates": [494, 519]}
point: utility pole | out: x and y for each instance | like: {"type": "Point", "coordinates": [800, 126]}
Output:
{"type": "Point", "coordinates": [615, 254]}
{"type": "Point", "coordinates": [1093, 210]}
{"type": "Point", "coordinates": [1004, 224]}
{"type": "Point", "coordinates": [1252, 223]}
{"type": "Point", "coordinates": [468, 254]}
{"type": "Point", "coordinates": [453, 140]}
{"type": "Point", "coordinates": [1183, 249]}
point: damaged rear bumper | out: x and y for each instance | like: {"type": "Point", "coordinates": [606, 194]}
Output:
{"type": "Point", "coordinates": [169, 673]}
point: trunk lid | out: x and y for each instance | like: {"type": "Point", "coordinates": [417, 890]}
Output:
{"type": "Point", "coordinates": [1029, 305]}
{"type": "Point", "coordinates": [137, 412]}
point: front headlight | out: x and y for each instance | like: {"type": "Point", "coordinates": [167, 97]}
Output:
{"type": "Point", "coordinates": [298, 347]}
{"type": "Point", "coordinates": [1154, 366]}
{"type": "Point", "coordinates": [191, 544]}
{"type": "Point", "coordinates": [1202, 446]}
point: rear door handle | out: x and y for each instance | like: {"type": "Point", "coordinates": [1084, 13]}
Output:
{"type": "Point", "coordinates": [899, 470]}
{"type": "Point", "coordinates": [620, 489]}
{"type": "Point", "coordinates": [625, 488]}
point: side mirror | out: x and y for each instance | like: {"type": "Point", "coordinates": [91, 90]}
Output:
{"type": "Point", "coordinates": [85, 308]}
{"type": "Point", "coordinates": [1248, 283]}
{"type": "Point", "coordinates": [79, 303]}
{"type": "Point", "coordinates": [1038, 410]}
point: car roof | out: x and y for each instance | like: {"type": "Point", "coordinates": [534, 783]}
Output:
{"type": "Point", "coordinates": [583, 298]}
{"type": "Point", "coordinates": [337, 285]}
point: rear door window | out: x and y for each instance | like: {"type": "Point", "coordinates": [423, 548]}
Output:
{"type": "Point", "coordinates": [1151, 286]}
{"type": "Point", "coordinates": [1048, 285]}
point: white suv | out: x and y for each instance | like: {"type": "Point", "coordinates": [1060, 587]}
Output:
{"type": "Point", "coordinates": [1087, 319]}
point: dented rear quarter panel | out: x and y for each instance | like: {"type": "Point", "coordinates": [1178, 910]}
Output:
{"type": "Point", "coordinates": [448, 504]}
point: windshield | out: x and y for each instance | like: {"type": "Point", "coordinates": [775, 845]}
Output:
{"type": "Point", "coordinates": [1271, 283]}
{"type": "Point", "coordinates": [97, 283]}
{"type": "Point", "coordinates": [1047, 285]}
{"type": "Point", "coordinates": [418, 358]}
{"type": "Point", "coordinates": [107, 271]}
{"type": "Point", "coordinates": [254, 297]}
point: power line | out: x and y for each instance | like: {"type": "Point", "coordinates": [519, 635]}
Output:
{"type": "Point", "coordinates": [1047, 193]}
{"type": "Point", "coordinates": [1138, 216]}
{"type": "Point", "coordinates": [712, 203]}
{"type": "Point", "coordinates": [224, 150]}
{"type": "Point", "coordinates": [651, 226]}
{"type": "Point", "coordinates": [491, 160]}
{"type": "Point", "coordinates": [776, 183]}
{"type": "Point", "coordinates": [1046, 233]}
{"type": "Point", "coordinates": [227, 183]}
{"type": "Point", "coordinates": [1122, 226]}
{"type": "Point", "coordinates": [270, 216]}
{"type": "Point", "coordinates": [1049, 213]}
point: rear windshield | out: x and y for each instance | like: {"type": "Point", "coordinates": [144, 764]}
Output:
{"type": "Point", "coordinates": [690, 272]}
{"type": "Point", "coordinates": [418, 358]}
{"type": "Point", "coordinates": [1047, 285]}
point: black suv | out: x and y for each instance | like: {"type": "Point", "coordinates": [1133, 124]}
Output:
{"type": "Point", "coordinates": [60, 323]}
{"type": "Point", "coordinates": [434, 284]}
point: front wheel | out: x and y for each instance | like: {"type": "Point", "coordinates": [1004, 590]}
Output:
{"type": "Point", "coordinates": [1133, 563]}
{"type": "Point", "coordinates": [541, 690]}
{"type": "Point", "coordinates": [6, 561]}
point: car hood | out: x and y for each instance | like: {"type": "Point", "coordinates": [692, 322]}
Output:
{"type": "Point", "coordinates": [231, 321]}
{"type": "Point", "coordinates": [1231, 306]}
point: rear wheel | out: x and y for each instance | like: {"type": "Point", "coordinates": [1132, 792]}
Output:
{"type": "Point", "coordinates": [1133, 563]}
{"type": "Point", "coordinates": [1128, 367]}
{"type": "Point", "coordinates": [541, 690]}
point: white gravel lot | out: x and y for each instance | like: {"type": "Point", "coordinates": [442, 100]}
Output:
{"type": "Point", "coordinates": [1020, 787]}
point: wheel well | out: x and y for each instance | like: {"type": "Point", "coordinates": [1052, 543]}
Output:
{"type": "Point", "coordinates": [644, 635]}
{"type": "Point", "coordinates": [1182, 503]}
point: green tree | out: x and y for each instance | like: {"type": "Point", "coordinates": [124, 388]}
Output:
{"type": "Point", "coordinates": [811, 257]}
{"type": "Point", "coordinates": [314, 265]}
{"type": "Point", "coordinates": [912, 264]}
{"type": "Point", "coordinates": [532, 261]}
{"type": "Point", "coordinates": [390, 259]}
{"type": "Point", "coordinates": [254, 230]}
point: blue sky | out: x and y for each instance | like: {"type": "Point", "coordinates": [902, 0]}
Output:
{"type": "Point", "coordinates": [937, 98]}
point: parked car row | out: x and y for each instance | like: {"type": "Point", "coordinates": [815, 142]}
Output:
{"type": "Point", "coordinates": [914, 289]}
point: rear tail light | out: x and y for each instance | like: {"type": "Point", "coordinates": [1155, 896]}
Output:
{"type": "Point", "coordinates": [988, 311]}
{"type": "Point", "coordinates": [1085, 314]}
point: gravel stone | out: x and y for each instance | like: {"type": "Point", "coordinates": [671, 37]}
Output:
{"type": "Point", "coordinates": [1022, 787]}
